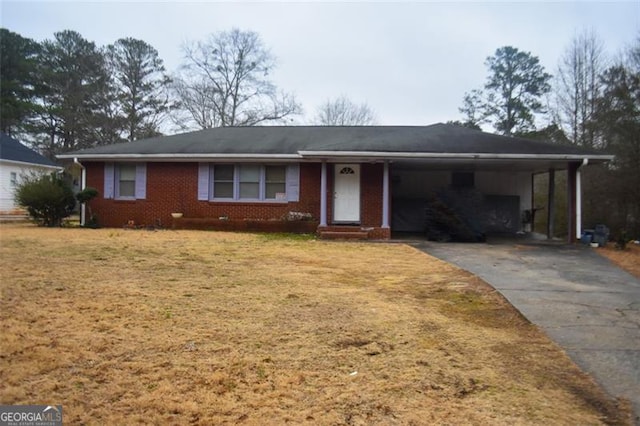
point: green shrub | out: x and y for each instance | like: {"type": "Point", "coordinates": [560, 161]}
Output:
{"type": "Point", "coordinates": [47, 198]}
{"type": "Point", "coordinates": [87, 194]}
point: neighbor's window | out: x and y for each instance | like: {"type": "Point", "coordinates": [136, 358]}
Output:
{"type": "Point", "coordinates": [275, 182]}
{"type": "Point", "coordinates": [13, 179]}
{"type": "Point", "coordinates": [223, 181]}
{"type": "Point", "coordinates": [126, 183]}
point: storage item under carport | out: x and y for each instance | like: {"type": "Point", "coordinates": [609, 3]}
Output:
{"type": "Point", "coordinates": [599, 235]}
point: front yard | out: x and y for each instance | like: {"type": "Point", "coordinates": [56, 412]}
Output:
{"type": "Point", "coordinates": [188, 327]}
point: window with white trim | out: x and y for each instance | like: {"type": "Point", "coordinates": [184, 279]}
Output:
{"type": "Point", "coordinates": [251, 182]}
{"type": "Point", "coordinates": [13, 179]}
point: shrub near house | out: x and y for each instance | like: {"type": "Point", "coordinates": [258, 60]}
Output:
{"type": "Point", "coordinates": [48, 198]}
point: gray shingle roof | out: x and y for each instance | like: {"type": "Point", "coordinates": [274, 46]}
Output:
{"type": "Point", "coordinates": [12, 150]}
{"type": "Point", "coordinates": [291, 140]}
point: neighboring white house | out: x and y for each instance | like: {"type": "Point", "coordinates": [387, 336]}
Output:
{"type": "Point", "coordinates": [17, 161]}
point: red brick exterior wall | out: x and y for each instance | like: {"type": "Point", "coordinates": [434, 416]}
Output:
{"type": "Point", "coordinates": [371, 195]}
{"type": "Point", "coordinates": [173, 187]}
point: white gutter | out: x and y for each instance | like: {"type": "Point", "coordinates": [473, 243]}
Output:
{"type": "Point", "coordinates": [585, 162]}
{"type": "Point", "coordinates": [362, 155]}
{"type": "Point", "coordinates": [184, 157]}
{"type": "Point", "coordinates": [451, 155]}
{"type": "Point", "coordinates": [83, 185]}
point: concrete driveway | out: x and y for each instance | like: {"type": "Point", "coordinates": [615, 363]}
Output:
{"type": "Point", "coordinates": [580, 299]}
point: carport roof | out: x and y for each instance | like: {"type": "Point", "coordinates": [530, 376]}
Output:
{"type": "Point", "coordinates": [327, 142]}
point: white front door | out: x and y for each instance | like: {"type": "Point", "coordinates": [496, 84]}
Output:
{"type": "Point", "coordinates": [346, 200]}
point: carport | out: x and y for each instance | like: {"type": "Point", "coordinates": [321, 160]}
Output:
{"type": "Point", "coordinates": [443, 172]}
{"type": "Point", "coordinates": [480, 195]}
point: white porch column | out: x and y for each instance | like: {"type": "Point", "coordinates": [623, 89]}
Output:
{"type": "Point", "coordinates": [385, 195]}
{"type": "Point", "coordinates": [83, 207]}
{"type": "Point", "coordinates": [579, 199]}
{"type": "Point", "coordinates": [551, 204]}
{"type": "Point", "coordinates": [83, 186]}
{"type": "Point", "coordinates": [323, 194]}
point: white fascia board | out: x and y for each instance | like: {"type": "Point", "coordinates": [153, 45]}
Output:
{"type": "Point", "coordinates": [185, 157]}
{"type": "Point", "coordinates": [352, 155]}
{"type": "Point", "coordinates": [445, 155]}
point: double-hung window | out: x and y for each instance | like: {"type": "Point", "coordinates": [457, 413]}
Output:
{"type": "Point", "coordinates": [125, 181]}
{"type": "Point", "coordinates": [223, 181]}
{"type": "Point", "coordinates": [249, 182]}
{"type": "Point", "coordinates": [275, 182]}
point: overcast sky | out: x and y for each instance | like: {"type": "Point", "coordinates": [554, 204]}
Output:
{"type": "Point", "coordinates": [411, 62]}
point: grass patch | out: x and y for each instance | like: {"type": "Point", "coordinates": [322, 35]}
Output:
{"type": "Point", "coordinates": [178, 327]}
{"type": "Point", "coordinates": [628, 259]}
{"type": "Point", "coordinates": [283, 236]}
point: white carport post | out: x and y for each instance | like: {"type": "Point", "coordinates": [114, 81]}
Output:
{"type": "Point", "coordinates": [579, 199]}
{"type": "Point", "coordinates": [83, 186]}
{"type": "Point", "coordinates": [385, 195]}
{"type": "Point", "coordinates": [323, 194]}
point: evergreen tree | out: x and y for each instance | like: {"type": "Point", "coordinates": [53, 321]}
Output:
{"type": "Point", "coordinates": [512, 93]}
{"type": "Point", "coordinates": [141, 86]}
{"type": "Point", "coordinates": [72, 83]}
{"type": "Point", "coordinates": [18, 64]}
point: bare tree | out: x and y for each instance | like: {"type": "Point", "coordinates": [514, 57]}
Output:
{"type": "Point", "coordinates": [472, 109]}
{"type": "Point", "coordinates": [196, 104]}
{"type": "Point", "coordinates": [578, 86]}
{"type": "Point", "coordinates": [225, 82]}
{"type": "Point", "coordinates": [343, 112]}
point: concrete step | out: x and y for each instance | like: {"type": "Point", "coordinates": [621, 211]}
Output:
{"type": "Point", "coordinates": [344, 235]}
{"type": "Point", "coordinates": [11, 218]}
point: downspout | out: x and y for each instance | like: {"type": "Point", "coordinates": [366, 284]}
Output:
{"type": "Point", "coordinates": [585, 161]}
{"type": "Point", "coordinates": [83, 185]}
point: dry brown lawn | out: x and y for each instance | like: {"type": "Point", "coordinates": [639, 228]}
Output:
{"type": "Point", "coordinates": [628, 259]}
{"type": "Point", "coordinates": [181, 327]}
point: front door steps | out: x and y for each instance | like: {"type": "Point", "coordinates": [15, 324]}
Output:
{"type": "Point", "coordinates": [344, 232]}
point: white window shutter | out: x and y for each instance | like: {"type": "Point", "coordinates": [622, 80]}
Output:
{"type": "Point", "coordinates": [109, 181]}
{"type": "Point", "coordinates": [293, 182]}
{"type": "Point", "coordinates": [203, 181]}
{"type": "Point", "coordinates": [141, 181]}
